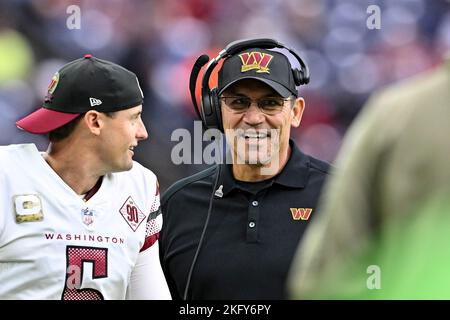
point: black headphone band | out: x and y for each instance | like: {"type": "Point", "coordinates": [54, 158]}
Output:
{"type": "Point", "coordinates": [241, 45]}
{"type": "Point", "coordinates": [303, 65]}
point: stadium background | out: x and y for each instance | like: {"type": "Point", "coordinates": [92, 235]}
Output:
{"type": "Point", "coordinates": [159, 41]}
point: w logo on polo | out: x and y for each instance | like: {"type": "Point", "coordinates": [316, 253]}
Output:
{"type": "Point", "coordinates": [255, 60]}
{"type": "Point", "coordinates": [301, 213]}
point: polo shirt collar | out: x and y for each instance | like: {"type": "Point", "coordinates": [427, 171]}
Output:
{"type": "Point", "coordinates": [296, 171]}
{"type": "Point", "coordinates": [294, 174]}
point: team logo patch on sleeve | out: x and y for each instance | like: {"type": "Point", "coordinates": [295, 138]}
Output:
{"type": "Point", "coordinates": [28, 208]}
{"type": "Point", "coordinates": [132, 214]}
{"type": "Point", "coordinates": [51, 87]}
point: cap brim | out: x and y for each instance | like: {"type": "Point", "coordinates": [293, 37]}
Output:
{"type": "Point", "coordinates": [45, 120]}
{"type": "Point", "coordinates": [280, 89]}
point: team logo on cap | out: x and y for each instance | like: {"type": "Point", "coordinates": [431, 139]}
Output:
{"type": "Point", "coordinates": [51, 87]}
{"type": "Point", "coordinates": [255, 61]}
{"type": "Point", "coordinates": [53, 83]}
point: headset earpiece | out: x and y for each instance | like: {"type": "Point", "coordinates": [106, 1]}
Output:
{"type": "Point", "coordinates": [211, 113]}
{"type": "Point", "coordinates": [299, 77]}
{"type": "Point", "coordinates": [217, 109]}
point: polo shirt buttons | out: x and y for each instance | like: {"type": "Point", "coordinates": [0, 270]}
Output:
{"type": "Point", "coordinates": [252, 220]}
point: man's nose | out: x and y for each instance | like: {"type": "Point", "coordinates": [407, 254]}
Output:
{"type": "Point", "coordinates": [141, 133]}
{"type": "Point", "coordinates": [254, 115]}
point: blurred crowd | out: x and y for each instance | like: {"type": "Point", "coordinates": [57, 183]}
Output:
{"type": "Point", "coordinates": [159, 41]}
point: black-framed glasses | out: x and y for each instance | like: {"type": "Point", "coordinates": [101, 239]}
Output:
{"type": "Point", "coordinates": [267, 105]}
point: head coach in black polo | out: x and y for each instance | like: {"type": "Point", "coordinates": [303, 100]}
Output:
{"type": "Point", "coordinates": [230, 232]}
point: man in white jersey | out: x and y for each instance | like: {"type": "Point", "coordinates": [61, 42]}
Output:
{"type": "Point", "coordinates": [81, 220]}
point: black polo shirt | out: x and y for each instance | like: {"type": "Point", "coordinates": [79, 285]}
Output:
{"type": "Point", "coordinates": [252, 235]}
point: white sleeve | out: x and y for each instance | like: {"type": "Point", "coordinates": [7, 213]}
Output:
{"type": "Point", "coordinates": [147, 278]}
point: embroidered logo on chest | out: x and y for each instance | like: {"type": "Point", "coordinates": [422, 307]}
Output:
{"type": "Point", "coordinates": [132, 214]}
{"type": "Point", "coordinates": [301, 213]}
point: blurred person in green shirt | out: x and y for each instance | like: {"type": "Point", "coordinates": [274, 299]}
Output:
{"type": "Point", "coordinates": [384, 232]}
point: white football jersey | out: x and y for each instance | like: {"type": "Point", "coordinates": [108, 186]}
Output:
{"type": "Point", "coordinates": [55, 245]}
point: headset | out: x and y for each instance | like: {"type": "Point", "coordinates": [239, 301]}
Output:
{"type": "Point", "coordinates": [210, 113]}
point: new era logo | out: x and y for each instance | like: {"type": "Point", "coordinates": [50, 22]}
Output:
{"type": "Point", "coordinates": [95, 102]}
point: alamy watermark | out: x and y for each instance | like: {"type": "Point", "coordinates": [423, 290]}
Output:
{"type": "Point", "coordinates": [74, 277]}
{"type": "Point", "coordinates": [74, 19]}
{"type": "Point", "coordinates": [373, 21]}
{"type": "Point", "coordinates": [374, 280]}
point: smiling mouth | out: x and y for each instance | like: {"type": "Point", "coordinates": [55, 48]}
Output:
{"type": "Point", "coordinates": [255, 135]}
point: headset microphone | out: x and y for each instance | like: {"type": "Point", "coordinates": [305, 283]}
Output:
{"type": "Point", "coordinates": [199, 63]}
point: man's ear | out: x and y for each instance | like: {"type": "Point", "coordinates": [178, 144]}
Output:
{"type": "Point", "coordinates": [94, 121]}
{"type": "Point", "coordinates": [297, 112]}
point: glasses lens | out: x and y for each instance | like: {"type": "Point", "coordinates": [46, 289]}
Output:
{"type": "Point", "coordinates": [271, 105]}
{"type": "Point", "coordinates": [239, 104]}
{"type": "Point", "coordinates": [268, 105]}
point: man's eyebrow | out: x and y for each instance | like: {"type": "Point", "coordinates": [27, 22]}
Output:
{"type": "Point", "coordinates": [271, 95]}
{"type": "Point", "coordinates": [267, 95]}
{"type": "Point", "coordinates": [236, 94]}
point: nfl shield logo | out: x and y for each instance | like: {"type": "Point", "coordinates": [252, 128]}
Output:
{"type": "Point", "coordinates": [87, 216]}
